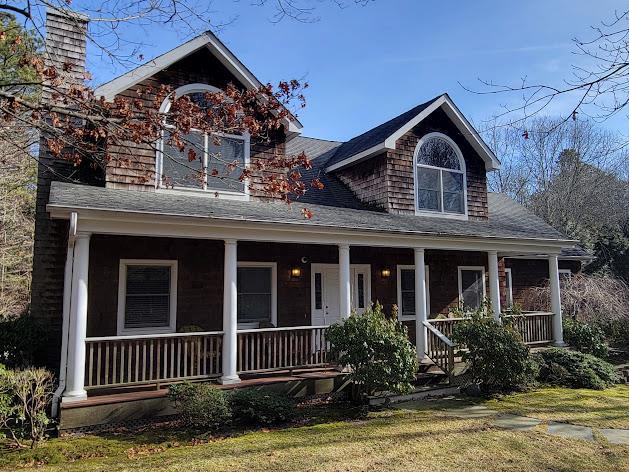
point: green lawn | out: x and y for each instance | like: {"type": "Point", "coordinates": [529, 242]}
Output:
{"type": "Point", "coordinates": [398, 439]}
{"type": "Point", "coordinates": [601, 409]}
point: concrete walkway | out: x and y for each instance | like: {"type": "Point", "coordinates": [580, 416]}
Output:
{"type": "Point", "coordinates": [525, 423]}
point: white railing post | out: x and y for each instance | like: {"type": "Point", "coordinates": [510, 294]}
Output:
{"type": "Point", "coordinates": [75, 376]}
{"type": "Point", "coordinates": [230, 314]}
{"type": "Point", "coordinates": [345, 300]}
{"type": "Point", "coordinates": [555, 300]}
{"type": "Point", "coordinates": [494, 283]}
{"type": "Point", "coordinates": [421, 314]}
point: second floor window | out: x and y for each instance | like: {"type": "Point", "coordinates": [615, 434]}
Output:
{"type": "Point", "coordinates": [219, 158]}
{"type": "Point", "coordinates": [439, 176]}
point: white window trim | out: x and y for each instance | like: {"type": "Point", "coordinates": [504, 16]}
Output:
{"type": "Point", "coordinates": [463, 170]}
{"type": "Point", "coordinates": [273, 267]}
{"type": "Point", "coordinates": [509, 277]}
{"type": "Point", "coordinates": [400, 268]}
{"type": "Point", "coordinates": [205, 189]}
{"type": "Point", "coordinates": [477, 268]}
{"type": "Point", "coordinates": [122, 296]}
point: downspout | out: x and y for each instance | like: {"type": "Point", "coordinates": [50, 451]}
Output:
{"type": "Point", "coordinates": [67, 305]}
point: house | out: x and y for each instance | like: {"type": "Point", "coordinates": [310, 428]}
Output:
{"type": "Point", "coordinates": [141, 284]}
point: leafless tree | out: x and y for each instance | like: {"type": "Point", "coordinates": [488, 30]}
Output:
{"type": "Point", "coordinates": [568, 172]}
{"type": "Point", "coordinates": [597, 91]}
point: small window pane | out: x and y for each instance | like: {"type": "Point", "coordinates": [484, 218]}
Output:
{"type": "Point", "coordinates": [438, 152]}
{"type": "Point", "coordinates": [453, 202]}
{"type": "Point", "coordinates": [428, 200]}
{"type": "Point", "coordinates": [147, 303]}
{"type": "Point", "coordinates": [221, 153]}
{"type": "Point", "coordinates": [254, 293]}
{"type": "Point", "coordinates": [177, 170]}
{"type": "Point", "coordinates": [472, 288]}
{"type": "Point", "coordinates": [428, 179]}
{"type": "Point", "coordinates": [361, 290]}
{"type": "Point", "coordinates": [318, 291]}
{"type": "Point", "coordinates": [452, 181]}
{"type": "Point", "coordinates": [407, 288]}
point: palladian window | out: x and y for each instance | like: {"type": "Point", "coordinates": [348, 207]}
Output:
{"type": "Point", "coordinates": [219, 158]}
{"type": "Point", "coordinates": [439, 176]}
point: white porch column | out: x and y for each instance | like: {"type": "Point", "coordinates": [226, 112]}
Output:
{"type": "Point", "coordinates": [230, 314]}
{"type": "Point", "coordinates": [345, 301]}
{"type": "Point", "coordinates": [555, 299]}
{"type": "Point", "coordinates": [420, 303]}
{"type": "Point", "coordinates": [494, 283]}
{"type": "Point", "coordinates": [75, 377]}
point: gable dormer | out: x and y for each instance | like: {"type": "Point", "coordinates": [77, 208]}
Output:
{"type": "Point", "coordinates": [427, 161]}
{"type": "Point", "coordinates": [203, 64]}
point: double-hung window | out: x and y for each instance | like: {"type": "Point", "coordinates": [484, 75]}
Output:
{"type": "Point", "coordinates": [257, 293]}
{"type": "Point", "coordinates": [147, 296]}
{"type": "Point", "coordinates": [439, 176]}
{"type": "Point", "coordinates": [406, 292]}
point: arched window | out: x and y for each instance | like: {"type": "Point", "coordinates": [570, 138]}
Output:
{"type": "Point", "coordinates": [210, 170]}
{"type": "Point", "coordinates": [440, 185]}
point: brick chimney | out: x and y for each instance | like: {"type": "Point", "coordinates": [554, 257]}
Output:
{"type": "Point", "coordinates": [64, 49]}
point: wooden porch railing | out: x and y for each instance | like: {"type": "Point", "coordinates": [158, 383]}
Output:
{"type": "Point", "coordinates": [534, 327]}
{"type": "Point", "coordinates": [152, 359]}
{"type": "Point", "coordinates": [439, 348]}
{"type": "Point", "coordinates": [263, 350]}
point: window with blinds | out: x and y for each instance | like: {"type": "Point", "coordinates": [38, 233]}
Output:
{"type": "Point", "coordinates": [148, 289]}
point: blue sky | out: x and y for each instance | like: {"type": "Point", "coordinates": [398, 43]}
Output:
{"type": "Point", "coordinates": [367, 64]}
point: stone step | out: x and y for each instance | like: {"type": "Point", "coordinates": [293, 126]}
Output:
{"type": "Point", "coordinates": [420, 393]}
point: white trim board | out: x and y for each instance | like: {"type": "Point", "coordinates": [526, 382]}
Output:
{"type": "Point", "coordinates": [149, 224]}
{"type": "Point", "coordinates": [464, 126]}
{"type": "Point", "coordinates": [122, 296]}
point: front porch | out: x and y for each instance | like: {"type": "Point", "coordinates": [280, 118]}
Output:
{"type": "Point", "coordinates": [216, 327]}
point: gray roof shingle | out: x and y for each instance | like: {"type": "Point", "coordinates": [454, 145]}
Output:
{"type": "Point", "coordinates": [334, 193]}
{"type": "Point", "coordinates": [507, 219]}
{"type": "Point", "coordinates": [375, 135]}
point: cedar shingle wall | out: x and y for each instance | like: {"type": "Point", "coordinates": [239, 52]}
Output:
{"type": "Point", "coordinates": [368, 181]}
{"type": "Point", "coordinates": [200, 276]}
{"type": "Point", "coordinates": [527, 273]}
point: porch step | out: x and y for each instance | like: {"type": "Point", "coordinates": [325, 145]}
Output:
{"type": "Point", "coordinates": [420, 393]}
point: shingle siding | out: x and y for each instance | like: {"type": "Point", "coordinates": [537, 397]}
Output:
{"type": "Point", "coordinates": [368, 181]}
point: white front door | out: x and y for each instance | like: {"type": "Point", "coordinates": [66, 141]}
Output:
{"type": "Point", "coordinates": [325, 291]}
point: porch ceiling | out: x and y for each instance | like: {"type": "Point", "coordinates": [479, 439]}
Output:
{"type": "Point", "coordinates": [508, 222]}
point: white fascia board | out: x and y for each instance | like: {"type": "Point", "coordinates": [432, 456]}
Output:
{"type": "Point", "coordinates": [479, 145]}
{"type": "Point", "coordinates": [175, 226]}
{"type": "Point", "coordinates": [112, 88]}
{"type": "Point", "coordinates": [464, 126]}
{"type": "Point", "coordinates": [361, 156]}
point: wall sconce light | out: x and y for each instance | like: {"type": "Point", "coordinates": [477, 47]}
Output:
{"type": "Point", "coordinates": [386, 273]}
{"type": "Point", "coordinates": [295, 272]}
